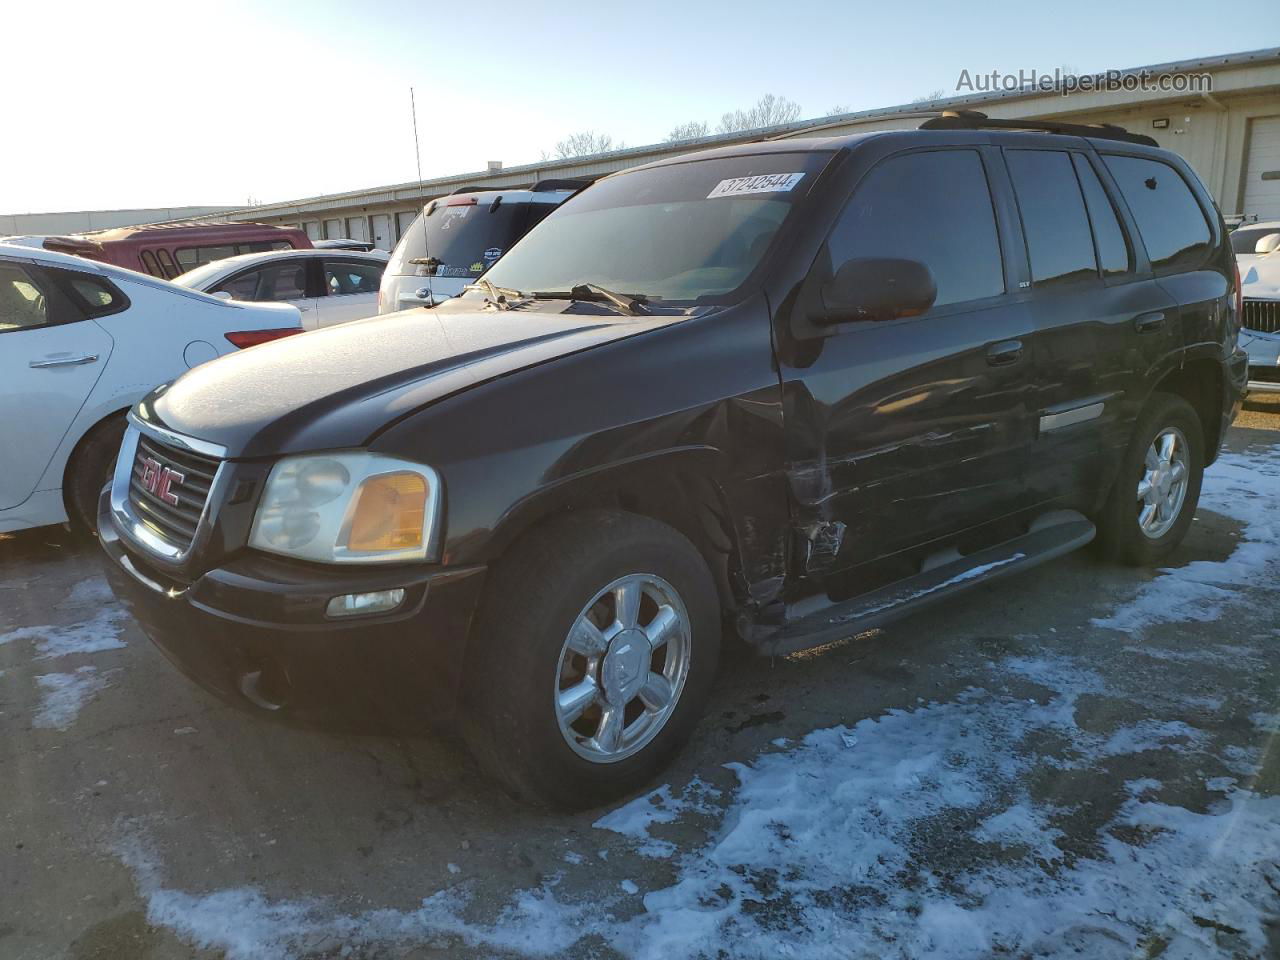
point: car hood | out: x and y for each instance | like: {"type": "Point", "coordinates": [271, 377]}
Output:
{"type": "Point", "coordinates": [1260, 279]}
{"type": "Point", "coordinates": [335, 387]}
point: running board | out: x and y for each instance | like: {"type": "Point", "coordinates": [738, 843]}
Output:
{"type": "Point", "coordinates": [1050, 536]}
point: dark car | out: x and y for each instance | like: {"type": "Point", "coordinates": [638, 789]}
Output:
{"type": "Point", "coordinates": [799, 387]}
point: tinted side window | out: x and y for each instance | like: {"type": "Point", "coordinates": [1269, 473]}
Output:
{"type": "Point", "coordinates": [282, 281]}
{"type": "Point", "coordinates": [97, 297]}
{"type": "Point", "coordinates": [350, 276]}
{"type": "Point", "coordinates": [1054, 221]}
{"type": "Point", "coordinates": [934, 207]}
{"type": "Point", "coordinates": [1170, 220]}
{"type": "Point", "coordinates": [166, 264]}
{"type": "Point", "coordinates": [23, 304]}
{"type": "Point", "coordinates": [260, 246]}
{"type": "Point", "coordinates": [1113, 249]}
{"type": "Point", "coordinates": [191, 257]}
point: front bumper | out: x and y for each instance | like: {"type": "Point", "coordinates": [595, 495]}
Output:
{"type": "Point", "coordinates": [1264, 360]}
{"type": "Point", "coordinates": [254, 633]}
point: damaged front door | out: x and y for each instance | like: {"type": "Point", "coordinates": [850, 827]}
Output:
{"type": "Point", "coordinates": [909, 430]}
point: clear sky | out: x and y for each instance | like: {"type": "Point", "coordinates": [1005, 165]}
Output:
{"type": "Point", "coordinates": [136, 104]}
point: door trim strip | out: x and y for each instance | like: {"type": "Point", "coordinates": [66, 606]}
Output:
{"type": "Point", "coordinates": [1067, 418]}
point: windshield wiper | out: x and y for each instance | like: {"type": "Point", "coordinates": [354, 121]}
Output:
{"type": "Point", "coordinates": [500, 297]}
{"type": "Point", "coordinates": [631, 305]}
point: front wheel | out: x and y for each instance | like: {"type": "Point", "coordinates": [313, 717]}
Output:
{"type": "Point", "coordinates": [594, 653]}
{"type": "Point", "coordinates": [1156, 492]}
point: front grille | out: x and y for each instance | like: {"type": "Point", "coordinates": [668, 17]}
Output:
{"type": "Point", "coordinates": [191, 475]}
{"type": "Point", "coordinates": [1262, 315]}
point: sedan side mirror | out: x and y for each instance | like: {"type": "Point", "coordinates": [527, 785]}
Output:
{"type": "Point", "coordinates": [1267, 244]}
{"type": "Point", "coordinates": [878, 288]}
{"type": "Point", "coordinates": [222, 295]}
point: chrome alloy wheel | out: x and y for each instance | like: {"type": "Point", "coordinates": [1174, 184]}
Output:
{"type": "Point", "coordinates": [622, 668]}
{"type": "Point", "coordinates": [1162, 489]}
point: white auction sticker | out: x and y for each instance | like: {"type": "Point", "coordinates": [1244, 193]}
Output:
{"type": "Point", "coordinates": [764, 183]}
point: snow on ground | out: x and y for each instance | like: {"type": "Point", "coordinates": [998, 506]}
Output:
{"type": "Point", "coordinates": [914, 834]}
{"type": "Point", "coordinates": [1246, 488]}
{"type": "Point", "coordinates": [99, 632]}
{"type": "Point", "coordinates": [64, 694]}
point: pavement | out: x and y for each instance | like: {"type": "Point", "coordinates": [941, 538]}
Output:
{"type": "Point", "coordinates": [1080, 761]}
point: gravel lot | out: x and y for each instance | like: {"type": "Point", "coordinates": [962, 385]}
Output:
{"type": "Point", "coordinates": [1079, 762]}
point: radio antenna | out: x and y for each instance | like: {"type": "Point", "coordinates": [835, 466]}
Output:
{"type": "Point", "coordinates": [422, 190]}
{"type": "Point", "coordinates": [417, 152]}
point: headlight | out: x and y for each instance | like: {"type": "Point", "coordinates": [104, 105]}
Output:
{"type": "Point", "coordinates": [349, 508]}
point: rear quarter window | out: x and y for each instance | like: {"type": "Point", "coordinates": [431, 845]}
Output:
{"type": "Point", "coordinates": [1172, 224]}
{"type": "Point", "coordinates": [95, 296]}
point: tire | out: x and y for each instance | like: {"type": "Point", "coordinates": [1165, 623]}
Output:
{"type": "Point", "coordinates": [91, 466]}
{"type": "Point", "coordinates": [521, 666]}
{"type": "Point", "coordinates": [1121, 534]}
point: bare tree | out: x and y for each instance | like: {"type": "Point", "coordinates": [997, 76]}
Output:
{"type": "Point", "coordinates": [688, 131]}
{"type": "Point", "coordinates": [584, 144]}
{"type": "Point", "coordinates": [931, 96]}
{"type": "Point", "coordinates": [768, 111]}
{"type": "Point", "coordinates": [838, 110]}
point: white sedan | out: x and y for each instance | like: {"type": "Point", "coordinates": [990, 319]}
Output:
{"type": "Point", "coordinates": [327, 286]}
{"type": "Point", "coordinates": [81, 343]}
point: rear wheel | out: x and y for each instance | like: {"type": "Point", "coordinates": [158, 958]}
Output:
{"type": "Point", "coordinates": [91, 467]}
{"type": "Point", "coordinates": [1156, 492]}
{"type": "Point", "coordinates": [594, 653]}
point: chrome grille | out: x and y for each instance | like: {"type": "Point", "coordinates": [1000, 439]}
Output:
{"type": "Point", "coordinates": [1262, 315]}
{"type": "Point", "coordinates": [174, 522]}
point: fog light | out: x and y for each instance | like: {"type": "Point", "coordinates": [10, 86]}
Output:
{"type": "Point", "coordinates": [357, 604]}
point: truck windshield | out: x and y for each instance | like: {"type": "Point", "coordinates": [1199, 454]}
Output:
{"type": "Point", "coordinates": [687, 232]}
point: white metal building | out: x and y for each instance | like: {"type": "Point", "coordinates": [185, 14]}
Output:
{"type": "Point", "coordinates": [1229, 133]}
{"type": "Point", "coordinates": [82, 221]}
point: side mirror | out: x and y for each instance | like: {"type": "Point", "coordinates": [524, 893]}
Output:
{"type": "Point", "coordinates": [878, 288]}
{"type": "Point", "coordinates": [1267, 244]}
{"type": "Point", "coordinates": [222, 295]}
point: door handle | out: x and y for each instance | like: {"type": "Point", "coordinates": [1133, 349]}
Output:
{"type": "Point", "coordinates": [1148, 322]}
{"type": "Point", "coordinates": [62, 362]}
{"type": "Point", "coordinates": [1004, 353]}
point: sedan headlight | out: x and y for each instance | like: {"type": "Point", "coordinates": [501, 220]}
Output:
{"type": "Point", "coordinates": [349, 508]}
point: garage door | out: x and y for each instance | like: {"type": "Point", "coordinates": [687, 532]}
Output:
{"type": "Point", "coordinates": [382, 238]}
{"type": "Point", "coordinates": [357, 228]}
{"type": "Point", "coordinates": [1262, 182]}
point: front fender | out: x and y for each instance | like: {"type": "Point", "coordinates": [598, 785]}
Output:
{"type": "Point", "coordinates": [695, 403]}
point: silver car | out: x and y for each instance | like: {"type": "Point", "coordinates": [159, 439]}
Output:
{"type": "Point", "coordinates": [1257, 247]}
{"type": "Point", "coordinates": [459, 237]}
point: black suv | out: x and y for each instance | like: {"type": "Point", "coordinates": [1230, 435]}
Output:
{"type": "Point", "coordinates": [799, 387]}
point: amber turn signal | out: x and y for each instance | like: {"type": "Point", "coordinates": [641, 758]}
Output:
{"type": "Point", "coordinates": [389, 513]}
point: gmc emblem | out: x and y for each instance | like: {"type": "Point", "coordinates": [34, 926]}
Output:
{"type": "Point", "coordinates": [160, 480]}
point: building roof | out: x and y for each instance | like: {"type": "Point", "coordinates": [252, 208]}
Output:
{"type": "Point", "coordinates": [610, 161]}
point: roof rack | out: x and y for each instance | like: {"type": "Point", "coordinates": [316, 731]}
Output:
{"type": "Point", "coordinates": [575, 184]}
{"type": "Point", "coordinates": [974, 120]}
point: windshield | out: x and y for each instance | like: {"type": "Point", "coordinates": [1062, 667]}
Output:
{"type": "Point", "coordinates": [683, 232]}
{"type": "Point", "coordinates": [1244, 240]}
{"type": "Point", "coordinates": [462, 236]}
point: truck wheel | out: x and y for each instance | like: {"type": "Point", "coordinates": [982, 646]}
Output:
{"type": "Point", "coordinates": [1155, 494]}
{"type": "Point", "coordinates": [592, 658]}
{"type": "Point", "coordinates": [92, 464]}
